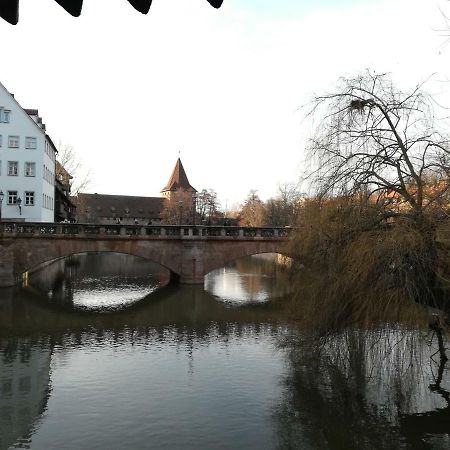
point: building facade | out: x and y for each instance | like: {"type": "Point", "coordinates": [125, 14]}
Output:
{"type": "Point", "coordinates": [118, 209]}
{"type": "Point", "coordinates": [27, 164]}
{"type": "Point", "coordinates": [64, 206]}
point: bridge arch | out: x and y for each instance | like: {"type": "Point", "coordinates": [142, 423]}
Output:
{"type": "Point", "coordinates": [26, 255]}
{"type": "Point", "coordinates": [189, 252]}
{"type": "Point", "coordinates": [242, 252]}
{"type": "Point", "coordinates": [43, 264]}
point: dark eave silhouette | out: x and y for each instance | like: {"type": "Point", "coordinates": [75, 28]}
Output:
{"type": "Point", "coordinates": [9, 9]}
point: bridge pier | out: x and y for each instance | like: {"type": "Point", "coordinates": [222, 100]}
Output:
{"type": "Point", "coordinates": [7, 276]}
{"type": "Point", "coordinates": [192, 270]}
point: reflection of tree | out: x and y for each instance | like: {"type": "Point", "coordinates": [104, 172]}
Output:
{"type": "Point", "coordinates": [417, 425]}
{"type": "Point", "coordinates": [265, 275]}
{"type": "Point", "coordinates": [355, 390]}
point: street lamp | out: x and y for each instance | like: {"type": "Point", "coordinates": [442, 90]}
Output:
{"type": "Point", "coordinates": [19, 204]}
{"type": "Point", "coordinates": [2, 196]}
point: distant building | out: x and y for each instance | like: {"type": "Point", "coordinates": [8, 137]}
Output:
{"type": "Point", "coordinates": [178, 181]}
{"type": "Point", "coordinates": [27, 163]}
{"type": "Point", "coordinates": [113, 209]}
{"type": "Point", "coordinates": [64, 205]}
{"type": "Point", "coordinates": [127, 209]}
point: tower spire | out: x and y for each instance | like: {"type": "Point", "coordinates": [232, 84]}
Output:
{"type": "Point", "coordinates": [178, 181]}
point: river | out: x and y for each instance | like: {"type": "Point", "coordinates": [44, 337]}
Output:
{"type": "Point", "coordinates": [97, 352]}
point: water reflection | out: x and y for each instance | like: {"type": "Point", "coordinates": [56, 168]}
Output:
{"type": "Point", "coordinates": [253, 279]}
{"type": "Point", "coordinates": [178, 358]}
{"type": "Point", "coordinates": [181, 369]}
{"type": "Point", "coordinates": [104, 281]}
{"type": "Point", "coordinates": [24, 388]}
{"type": "Point", "coordinates": [189, 309]}
{"type": "Point", "coordinates": [366, 389]}
{"type": "Point", "coordinates": [109, 281]}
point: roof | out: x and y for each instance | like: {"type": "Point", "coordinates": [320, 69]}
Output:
{"type": "Point", "coordinates": [179, 179]}
{"type": "Point", "coordinates": [29, 112]}
{"type": "Point", "coordinates": [60, 169]}
{"type": "Point", "coordinates": [9, 9]}
{"type": "Point", "coordinates": [103, 205]}
{"type": "Point", "coordinates": [62, 176]}
{"type": "Point", "coordinates": [52, 145]}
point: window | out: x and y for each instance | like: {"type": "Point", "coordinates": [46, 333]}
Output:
{"type": "Point", "coordinates": [47, 201]}
{"type": "Point", "coordinates": [12, 197]}
{"type": "Point", "coordinates": [30, 169]}
{"type": "Point", "coordinates": [13, 168]}
{"type": "Point", "coordinates": [29, 198]}
{"type": "Point", "coordinates": [4, 115]}
{"type": "Point", "coordinates": [13, 141]}
{"type": "Point", "coordinates": [30, 142]}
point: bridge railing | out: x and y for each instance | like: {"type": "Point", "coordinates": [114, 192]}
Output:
{"type": "Point", "coordinates": [142, 232]}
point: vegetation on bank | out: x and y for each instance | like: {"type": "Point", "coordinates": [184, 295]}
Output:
{"type": "Point", "coordinates": [380, 175]}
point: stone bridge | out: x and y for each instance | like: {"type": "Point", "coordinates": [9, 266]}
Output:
{"type": "Point", "coordinates": [189, 252]}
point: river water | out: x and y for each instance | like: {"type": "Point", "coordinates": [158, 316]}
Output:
{"type": "Point", "coordinates": [98, 353]}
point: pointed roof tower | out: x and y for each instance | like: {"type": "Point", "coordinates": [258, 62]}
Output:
{"type": "Point", "coordinates": [178, 180]}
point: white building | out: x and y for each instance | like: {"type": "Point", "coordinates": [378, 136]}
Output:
{"type": "Point", "coordinates": [27, 164]}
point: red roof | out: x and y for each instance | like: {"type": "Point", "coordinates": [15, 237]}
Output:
{"type": "Point", "coordinates": [179, 179]}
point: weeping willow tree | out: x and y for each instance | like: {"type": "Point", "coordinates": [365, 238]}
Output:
{"type": "Point", "coordinates": [380, 172]}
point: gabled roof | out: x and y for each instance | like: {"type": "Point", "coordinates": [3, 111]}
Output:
{"type": "Point", "coordinates": [179, 179]}
{"type": "Point", "coordinates": [9, 9]}
{"type": "Point", "coordinates": [29, 113]}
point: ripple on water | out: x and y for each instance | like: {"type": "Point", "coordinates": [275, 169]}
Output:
{"type": "Point", "coordinates": [179, 393]}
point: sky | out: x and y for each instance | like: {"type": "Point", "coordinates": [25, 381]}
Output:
{"type": "Point", "coordinates": [221, 88]}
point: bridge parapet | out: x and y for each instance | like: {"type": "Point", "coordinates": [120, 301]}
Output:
{"type": "Point", "coordinates": [188, 251]}
{"type": "Point", "coordinates": [184, 232]}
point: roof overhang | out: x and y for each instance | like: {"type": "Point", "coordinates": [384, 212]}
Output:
{"type": "Point", "coordinates": [9, 9]}
{"type": "Point", "coordinates": [52, 145]}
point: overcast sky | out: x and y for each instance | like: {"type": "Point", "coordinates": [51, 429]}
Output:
{"type": "Point", "coordinates": [222, 87]}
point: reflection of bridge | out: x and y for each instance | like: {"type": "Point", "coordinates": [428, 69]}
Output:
{"type": "Point", "coordinates": [189, 252]}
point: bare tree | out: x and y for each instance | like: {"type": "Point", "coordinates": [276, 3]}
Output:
{"type": "Point", "coordinates": [380, 173]}
{"type": "Point", "coordinates": [283, 209]}
{"type": "Point", "coordinates": [207, 206]}
{"type": "Point", "coordinates": [253, 212]}
{"type": "Point", "coordinates": [377, 141]}
{"type": "Point", "coordinates": [71, 170]}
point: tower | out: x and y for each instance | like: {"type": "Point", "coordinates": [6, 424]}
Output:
{"type": "Point", "coordinates": [178, 182]}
